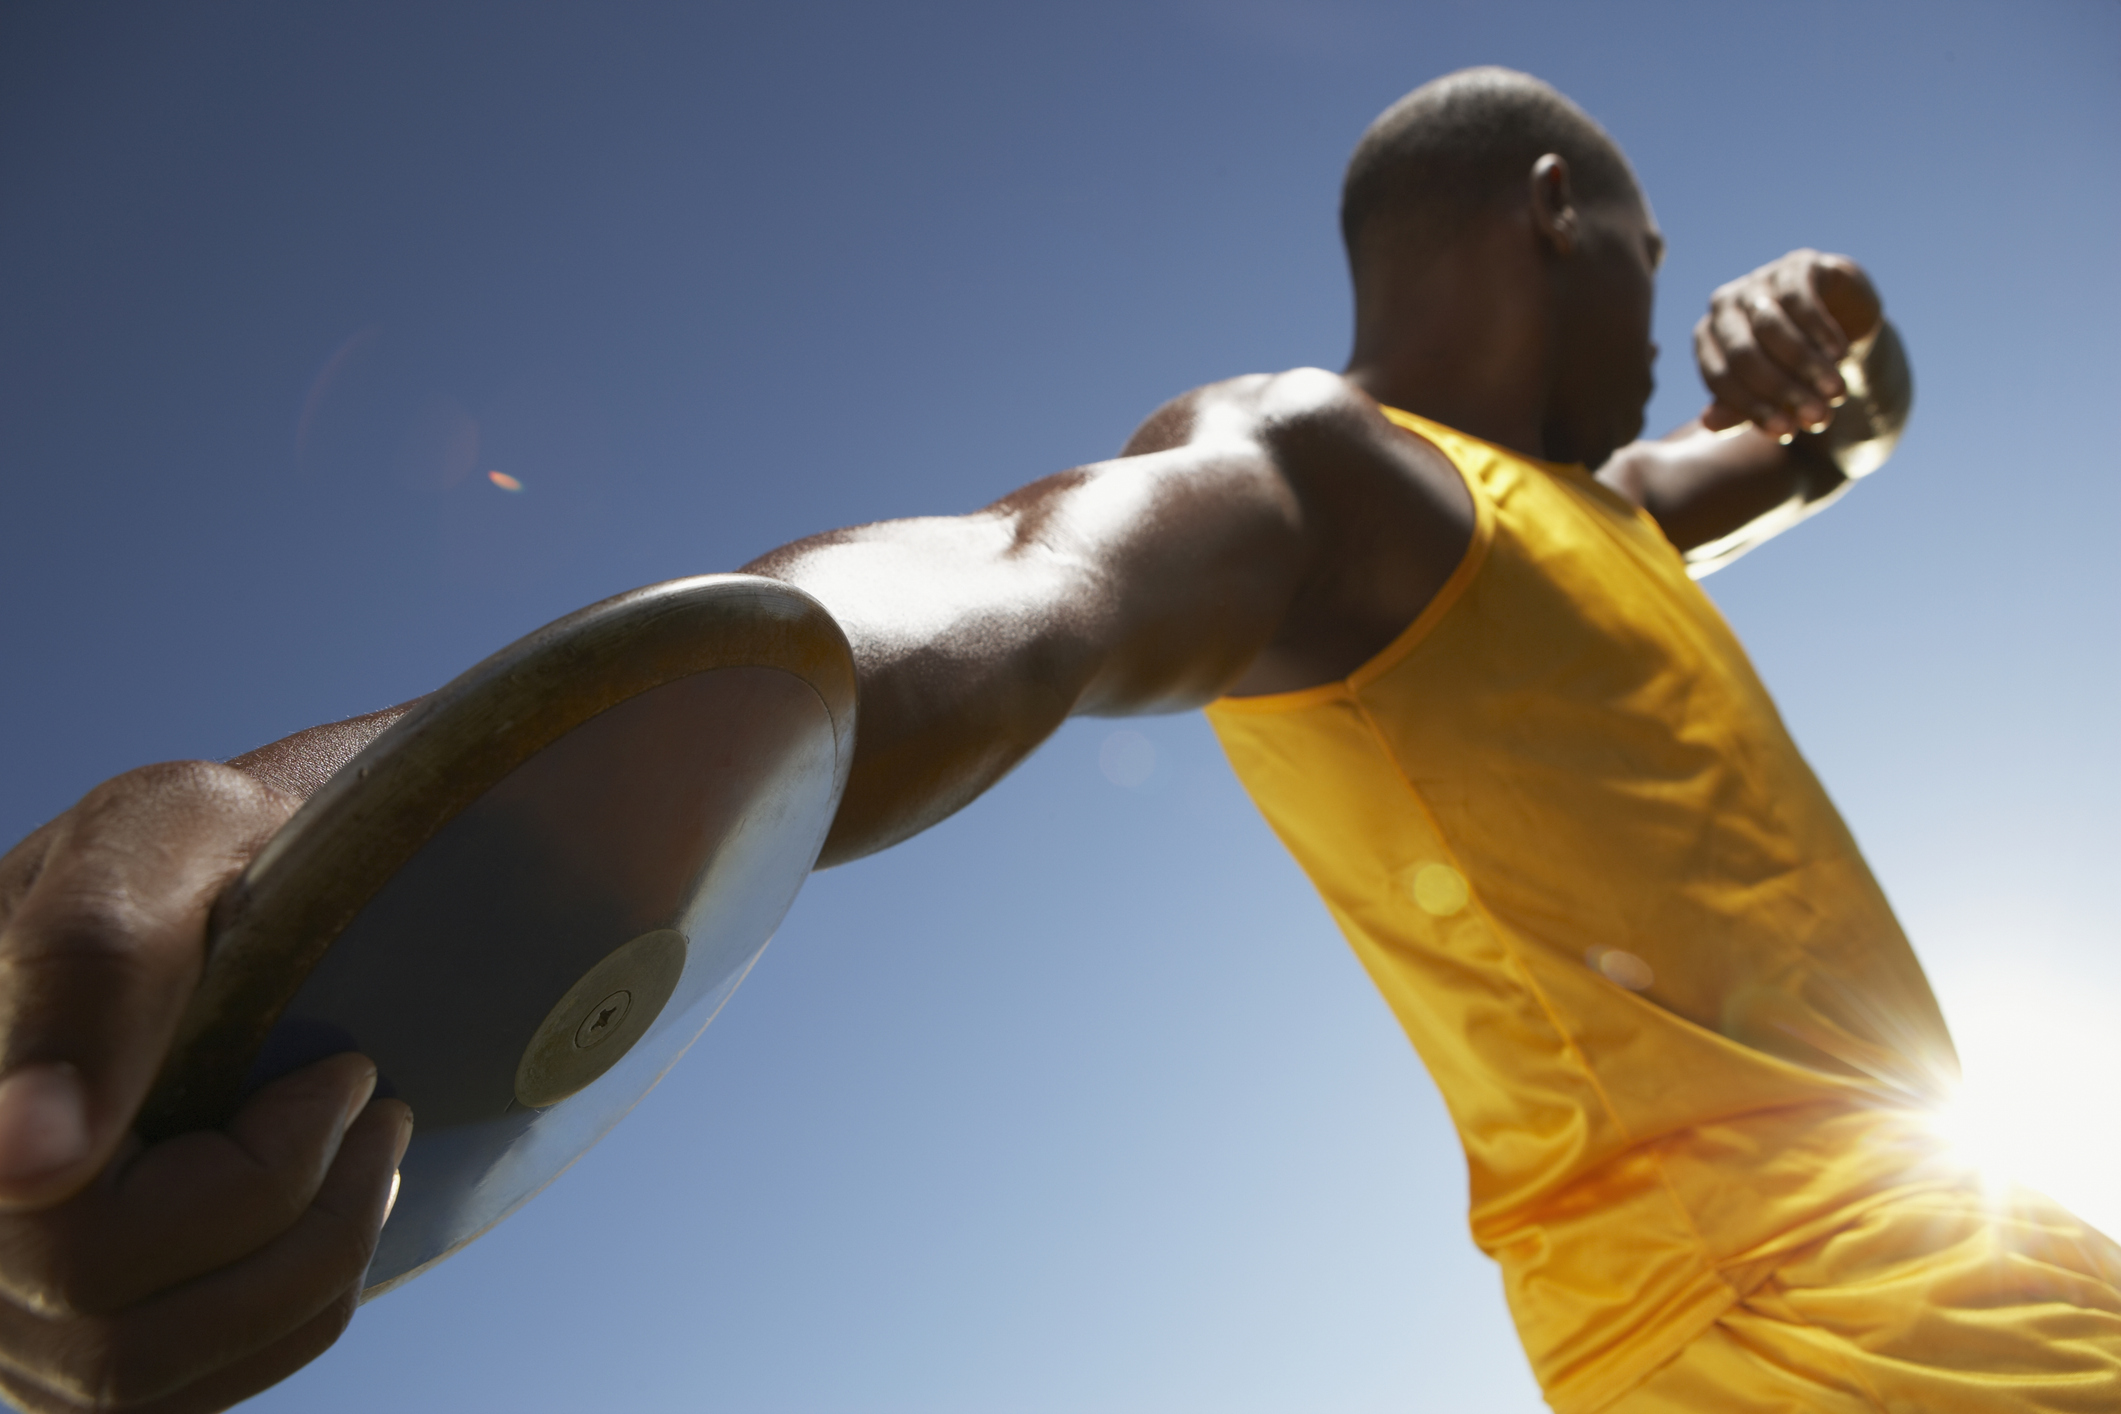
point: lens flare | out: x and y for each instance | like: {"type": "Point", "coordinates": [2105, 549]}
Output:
{"type": "Point", "coordinates": [2040, 1079]}
{"type": "Point", "coordinates": [1620, 966]}
{"type": "Point", "coordinates": [1978, 1136]}
{"type": "Point", "coordinates": [1439, 889]}
{"type": "Point", "coordinates": [320, 388]}
{"type": "Point", "coordinates": [503, 480]}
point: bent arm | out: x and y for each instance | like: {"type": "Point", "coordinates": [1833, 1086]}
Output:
{"type": "Point", "coordinates": [1725, 483]}
{"type": "Point", "coordinates": [1143, 584]}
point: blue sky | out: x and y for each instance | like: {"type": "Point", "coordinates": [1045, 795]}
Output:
{"type": "Point", "coordinates": [1076, 1103]}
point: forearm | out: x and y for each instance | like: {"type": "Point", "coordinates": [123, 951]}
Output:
{"type": "Point", "coordinates": [960, 673]}
{"type": "Point", "coordinates": [964, 662]}
{"type": "Point", "coordinates": [1717, 494]}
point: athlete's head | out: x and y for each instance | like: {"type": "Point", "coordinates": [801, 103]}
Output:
{"type": "Point", "coordinates": [1492, 155]}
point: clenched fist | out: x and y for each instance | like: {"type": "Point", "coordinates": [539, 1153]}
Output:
{"type": "Point", "coordinates": [190, 1274]}
{"type": "Point", "coordinates": [1771, 345]}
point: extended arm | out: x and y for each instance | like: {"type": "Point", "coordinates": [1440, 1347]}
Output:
{"type": "Point", "coordinates": [1134, 585]}
{"type": "Point", "coordinates": [1812, 389]}
{"type": "Point", "coordinates": [1261, 535]}
{"type": "Point", "coordinates": [186, 1275]}
{"type": "Point", "coordinates": [1145, 583]}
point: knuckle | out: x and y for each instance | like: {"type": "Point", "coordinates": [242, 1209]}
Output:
{"type": "Point", "coordinates": [1746, 359]}
{"type": "Point", "coordinates": [107, 1368]}
{"type": "Point", "coordinates": [42, 1268]}
{"type": "Point", "coordinates": [344, 1244]}
{"type": "Point", "coordinates": [339, 1315]}
{"type": "Point", "coordinates": [85, 920]}
{"type": "Point", "coordinates": [156, 787]}
{"type": "Point", "coordinates": [277, 1199]}
{"type": "Point", "coordinates": [59, 1296]}
{"type": "Point", "coordinates": [88, 1366]}
{"type": "Point", "coordinates": [83, 1293]}
{"type": "Point", "coordinates": [172, 779]}
{"type": "Point", "coordinates": [181, 797]}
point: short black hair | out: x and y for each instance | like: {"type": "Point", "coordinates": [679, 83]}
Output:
{"type": "Point", "coordinates": [1466, 141]}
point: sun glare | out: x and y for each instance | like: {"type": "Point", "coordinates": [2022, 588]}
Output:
{"type": "Point", "coordinates": [2036, 1105]}
{"type": "Point", "coordinates": [1977, 1133]}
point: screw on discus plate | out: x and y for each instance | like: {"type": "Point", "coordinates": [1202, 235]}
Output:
{"type": "Point", "coordinates": [603, 1019]}
{"type": "Point", "coordinates": [600, 1018]}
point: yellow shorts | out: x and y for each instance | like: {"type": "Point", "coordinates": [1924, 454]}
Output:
{"type": "Point", "coordinates": [1936, 1304]}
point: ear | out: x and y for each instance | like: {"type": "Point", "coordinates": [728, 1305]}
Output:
{"type": "Point", "coordinates": [1554, 204]}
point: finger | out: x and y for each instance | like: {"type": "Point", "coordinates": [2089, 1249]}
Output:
{"type": "Point", "coordinates": [1736, 328]}
{"type": "Point", "coordinates": [221, 1321]}
{"type": "Point", "coordinates": [99, 956]}
{"type": "Point", "coordinates": [1756, 378]}
{"type": "Point", "coordinates": [1849, 298]}
{"type": "Point", "coordinates": [1732, 369]}
{"type": "Point", "coordinates": [192, 1207]}
{"type": "Point", "coordinates": [1798, 297]}
{"type": "Point", "coordinates": [1804, 362]}
{"type": "Point", "coordinates": [189, 1205]}
{"type": "Point", "coordinates": [223, 1388]}
{"type": "Point", "coordinates": [269, 1366]}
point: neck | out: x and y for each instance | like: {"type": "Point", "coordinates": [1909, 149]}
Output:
{"type": "Point", "coordinates": [1462, 335]}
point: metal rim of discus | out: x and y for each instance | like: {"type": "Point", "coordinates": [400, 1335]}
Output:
{"type": "Point", "coordinates": [280, 918]}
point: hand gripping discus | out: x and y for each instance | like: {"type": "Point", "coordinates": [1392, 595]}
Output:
{"type": "Point", "coordinates": [530, 894]}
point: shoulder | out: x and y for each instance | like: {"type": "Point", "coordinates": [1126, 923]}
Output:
{"type": "Point", "coordinates": [1318, 433]}
{"type": "Point", "coordinates": [1270, 409]}
{"type": "Point", "coordinates": [1383, 514]}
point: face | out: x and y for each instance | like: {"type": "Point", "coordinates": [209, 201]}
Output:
{"type": "Point", "coordinates": [1606, 293]}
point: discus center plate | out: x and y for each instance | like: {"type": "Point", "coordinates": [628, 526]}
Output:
{"type": "Point", "coordinates": [597, 1022]}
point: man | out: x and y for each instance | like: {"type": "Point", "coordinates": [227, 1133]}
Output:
{"type": "Point", "coordinates": [1473, 688]}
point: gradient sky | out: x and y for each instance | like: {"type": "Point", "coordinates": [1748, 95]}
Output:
{"type": "Point", "coordinates": [1077, 1102]}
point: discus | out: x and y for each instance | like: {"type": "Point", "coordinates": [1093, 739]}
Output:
{"type": "Point", "coordinates": [530, 894]}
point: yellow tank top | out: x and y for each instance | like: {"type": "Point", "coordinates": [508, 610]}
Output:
{"type": "Point", "coordinates": [1668, 1007]}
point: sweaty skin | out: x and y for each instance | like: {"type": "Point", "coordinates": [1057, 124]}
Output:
{"type": "Point", "coordinates": [1258, 535]}
{"type": "Point", "coordinates": [1273, 532]}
